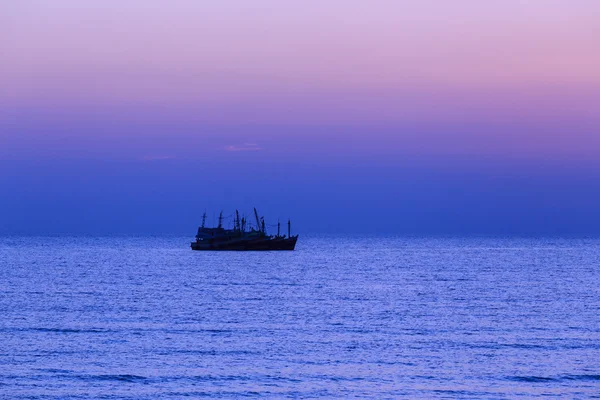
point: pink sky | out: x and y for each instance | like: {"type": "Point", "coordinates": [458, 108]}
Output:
{"type": "Point", "coordinates": [351, 63]}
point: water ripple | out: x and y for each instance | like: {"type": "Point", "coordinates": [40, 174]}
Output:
{"type": "Point", "coordinates": [387, 317]}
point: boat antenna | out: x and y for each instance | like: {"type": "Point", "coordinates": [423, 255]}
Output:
{"type": "Point", "coordinates": [262, 220]}
{"type": "Point", "coordinates": [220, 220]}
{"type": "Point", "coordinates": [278, 228]}
{"type": "Point", "coordinates": [289, 228]}
{"type": "Point", "coordinates": [257, 219]}
{"type": "Point", "coordinates": [204, 218]}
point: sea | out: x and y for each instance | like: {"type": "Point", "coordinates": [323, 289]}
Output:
{"type": "Point", "coordinates": [340, 317]}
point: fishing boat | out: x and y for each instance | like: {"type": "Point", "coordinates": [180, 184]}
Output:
{"type": "Point", "coordinates": [243, 236]}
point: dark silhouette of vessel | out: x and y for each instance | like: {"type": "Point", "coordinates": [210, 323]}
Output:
{"type": "Point", "coordinates": [242, 236]}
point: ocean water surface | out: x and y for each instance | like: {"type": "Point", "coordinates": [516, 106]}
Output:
{"type": "Point", "coordinates": [346, 317]}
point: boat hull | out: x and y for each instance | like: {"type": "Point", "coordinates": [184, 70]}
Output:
{"type": "Point", "coordinates": [258, 244]}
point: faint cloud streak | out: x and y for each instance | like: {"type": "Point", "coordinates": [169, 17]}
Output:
{"type": "Point", "coordinates": [245, 147]}
{"type": "Point", "coordinates": [156, 158]}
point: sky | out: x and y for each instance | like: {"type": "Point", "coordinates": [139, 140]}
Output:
{"type": "Point", "coordinates": [400, 117]}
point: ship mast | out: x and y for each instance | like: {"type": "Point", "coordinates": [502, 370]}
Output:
{"type": "Point", "coordinates": [257, 219]}
{"type": "Point", "coordinates": [220, 220]}
{"type": "Point", "coordinates": [278, 228]}
{"type": "Point", "coordinates": [203, 219]}
{"type": "Point", "coordinates": [289, 228]}
{"type": "Point", "coordinates": [237, 221]}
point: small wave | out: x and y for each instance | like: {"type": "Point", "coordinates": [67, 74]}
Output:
{"type": "Point", "coordinates": [455, 393]}
{"type": "Point", "coordinates": [346, 379]}
{"type": "Point", "coordinates": [531, 379]}
{"type": "Point", "coordinates": [582, 377]}
{"type": "Point", "coordinates": [211, 394]}
{"type": "Point", "coordinates": [207, 330]}
{"type": "Point", "coordinates": [55, 370]}
{"type": "Point", "coordinates": [590, 377]}
{"type": "Point", "coordinates": [122, 378]}
{"type": "Point", "coordinates": [212, 352]}
{"type": "Point", "coordinates": [243, 378]}
{"type": "Point", "coordinates": [208, 378]}
{"type": "Point", "coordinates": [189, 394]}
{"type": "Point", "coordinates": [524, 346]}
{"type": "Point", "coordinates": [66, 330]}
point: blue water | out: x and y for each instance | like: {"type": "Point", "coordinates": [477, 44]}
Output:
{"type": "Point", "coordinates": [339, 317]}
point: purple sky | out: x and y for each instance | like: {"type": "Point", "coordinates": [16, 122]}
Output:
{"type": "Point", "coordinates": [460, 117]}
